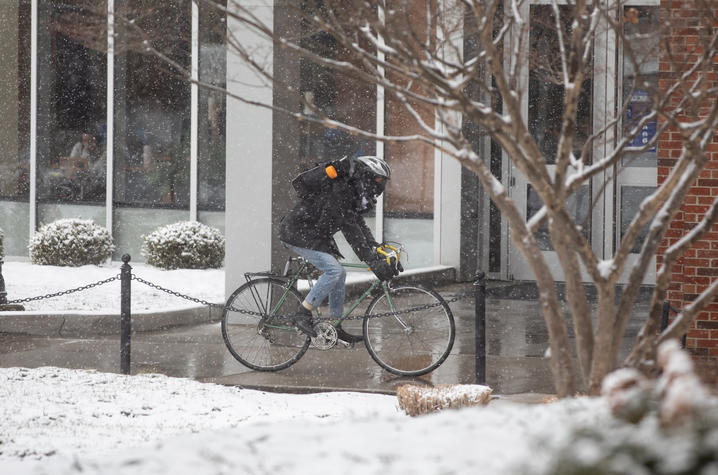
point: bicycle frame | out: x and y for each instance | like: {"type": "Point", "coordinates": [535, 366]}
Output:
{"type": "Point", "coordinates": [303, 272]}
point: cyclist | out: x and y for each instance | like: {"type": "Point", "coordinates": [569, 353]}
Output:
{"type": "Point", "coordinates": [333, 197]}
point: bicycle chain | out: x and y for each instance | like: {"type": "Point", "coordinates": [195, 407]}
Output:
{"type": "Point", "coordinates": [65, 292]}
{"type": "Point", "coordinates": [288, 318]}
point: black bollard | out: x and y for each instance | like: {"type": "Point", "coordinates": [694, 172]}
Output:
{"type": "Point", "coordinates": [3, 293]}
{"type": "Point", "coordinates": [4, 306]}
{"type": "Point", "coordinates": [125, 314]}
{"type": "Point", "coordinates": [480, 327]}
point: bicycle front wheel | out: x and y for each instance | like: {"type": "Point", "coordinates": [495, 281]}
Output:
{"type": "Point", "coordinates": [412, 343]}
{"type": "Point", "coordinates": [259, 340]}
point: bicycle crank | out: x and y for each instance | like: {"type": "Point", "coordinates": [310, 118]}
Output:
{"type": "Point", "coordinates": [326, 336]}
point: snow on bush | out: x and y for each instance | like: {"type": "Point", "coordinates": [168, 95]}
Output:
{"type": "Point", "coordinates": [71, 242]}
{"type": "Point", "coordinates": [666, 426]}
{"type": "Point", "coordinates": [184, 245]}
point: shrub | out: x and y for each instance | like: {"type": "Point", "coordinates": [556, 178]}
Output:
{"type": "Point", "coordinates": [184, 245]}
{"type": "Point", "coordinates": [71, 242]}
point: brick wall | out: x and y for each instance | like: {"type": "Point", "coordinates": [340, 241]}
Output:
{"type": "Point", "coordinates": [699, 266]}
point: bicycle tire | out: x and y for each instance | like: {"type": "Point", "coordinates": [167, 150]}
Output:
{"type": "Point", "coordinates": [409, 344]}
{"type": "Point", "coordinates": [251, 339]}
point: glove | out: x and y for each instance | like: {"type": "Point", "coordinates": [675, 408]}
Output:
{"type": "Point", "coordinates": [383, 269]}
{"type": "Point", "coordinates": [386, 264]}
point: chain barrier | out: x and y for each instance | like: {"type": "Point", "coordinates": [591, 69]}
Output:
{"type": "Point", "coordinates": [419, 308]}
{"type": "Point", "coordinates": [289, 317]}
{"type": "Point", "coordinates": [65, 292]}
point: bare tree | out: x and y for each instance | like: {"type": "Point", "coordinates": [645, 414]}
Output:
{"type": "Point", "coordinates": [419, 63]}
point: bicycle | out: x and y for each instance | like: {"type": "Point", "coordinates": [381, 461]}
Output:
{"type": "Point", "coordinates": [408, 330]}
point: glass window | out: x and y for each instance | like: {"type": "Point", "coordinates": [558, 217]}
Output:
{"type": "Point", "coordinates": [409, 196]}
{"type": "Point", "coordinates": [640, 82]}
{"type": "Point", "coordinates": [546, 90]}
{"type": "Point", "coordinates": [631, 198]}
{"type": "Point", "coordinates": [71, 110]}
{"type": "Point", "coordinates": [338, 96]}
{"type": "Point", "coordinates": [152, 113]}
{"type": "Point", "coordinates": [212, 107]}
{"type": "Point", "coordinates": [15, 133]}
{"type": "Point", "coordinates": [545, 114]}
{"type": "Point", "coordinates": [14, 100]}
{"type": "Point", "coordinates": [577, 205]}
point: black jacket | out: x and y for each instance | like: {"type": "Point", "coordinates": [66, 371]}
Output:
{"type": "Point", "coordinates": [313, 222]}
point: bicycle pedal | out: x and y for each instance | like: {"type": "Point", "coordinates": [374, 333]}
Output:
{"type": "Point", "coordinates": [345, 344]}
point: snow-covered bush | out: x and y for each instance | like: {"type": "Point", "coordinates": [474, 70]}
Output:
{"type": "Point", "coordinates": [184, 245]}
{"type": "Point", "coordinates": [71, 242]}
{"type": "Point", "coordinates": [664, 426]}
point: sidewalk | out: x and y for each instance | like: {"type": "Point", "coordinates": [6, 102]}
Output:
{"type": "Point", "coordinates": [515, 333]}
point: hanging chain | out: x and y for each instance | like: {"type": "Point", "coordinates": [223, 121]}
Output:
{"type": "Point", "coordinates": [239, 310]}
{"type": "Point", "coordinates": [65, 292]}
{"type": "Point", "coordinates": [288, 318]}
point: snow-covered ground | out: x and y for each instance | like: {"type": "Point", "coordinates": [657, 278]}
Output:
{"type": "Point", "coordinates": [23, 280]}
{"type": "Point", "coordinates": [61, 421]}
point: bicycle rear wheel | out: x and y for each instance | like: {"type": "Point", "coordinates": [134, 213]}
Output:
{"type": "Point", "coordinates": [262, 342]}
{"type": "Point", "coordinates": [414, 343]}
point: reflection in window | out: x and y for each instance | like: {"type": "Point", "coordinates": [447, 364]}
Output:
{"type": "Point", "coordinates": [631, 198]}
{"type": "Point", "coordinates": [640, 82]}
{"type": "Point", "coordinates": [72, 101]}
{"type": "Point", "coordinates": [546, 91]}
{"type": "Point", "coordinates": [212, 108]}
{"type": "Point", "coordinates": [152, 114]}
{"type": "Point", "coordinates": [577, 204]}
{"type": "Point", "coordinates": [338, 96]}
{"type": "Point", "coordinates": [409, 197]}
{"type": "Point", "coordinates": [15, 100]}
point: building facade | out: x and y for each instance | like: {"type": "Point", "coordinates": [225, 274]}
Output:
{"type": "Point", "coordinates": [106, 133]}
{"type": "Point", "coordinates": [99, 131]}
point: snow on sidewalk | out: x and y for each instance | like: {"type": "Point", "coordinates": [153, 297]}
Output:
{"type": "Point", "coordinates": [60, 421]}
{"type": "Point", "coordinates": [23, 280]}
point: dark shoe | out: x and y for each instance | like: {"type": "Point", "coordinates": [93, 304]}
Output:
{"type": "Point", "coordinates": [303, 320]}
{"type": "Point", "coordinates": [349, 338]}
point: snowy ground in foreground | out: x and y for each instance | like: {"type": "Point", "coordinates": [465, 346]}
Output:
{"type": "Point", "coordinates": [23, 280]}
{"type": "Point", "coordinates": [61, 421]}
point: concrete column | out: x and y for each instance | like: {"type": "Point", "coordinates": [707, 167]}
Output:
{"type": "Point", "coordinates": [248, 215]}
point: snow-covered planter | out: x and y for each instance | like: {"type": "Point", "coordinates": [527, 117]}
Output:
{"type": "Point", "coordinates": [71, 242]}
{"type": "Point", "coordinates": [184, 245]}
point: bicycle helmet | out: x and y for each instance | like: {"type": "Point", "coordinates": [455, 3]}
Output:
{"type": "Point", "coordinates": [373, 172]}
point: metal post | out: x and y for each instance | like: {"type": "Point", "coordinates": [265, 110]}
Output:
{"type": "Point", "coordinates": [3, 294]}
{"type": "Point", "coordinates": [125, 315]}
{"type": "Point", "coordinates": [664, 315]}
{"type": "Point", "coordinates": [480, 327]}
{"type": "Point", "coordinates": [4, 306]}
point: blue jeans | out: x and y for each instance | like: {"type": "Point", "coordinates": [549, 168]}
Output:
{"type": "Point", "coordinates": [331, 283]}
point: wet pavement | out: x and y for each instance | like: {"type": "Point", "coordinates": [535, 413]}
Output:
{"type": "Point", "coordinates": [516, 342]}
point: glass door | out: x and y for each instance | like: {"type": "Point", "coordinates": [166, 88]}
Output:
{"type": "Point", "coordinates": [543, 107]}
{"type": "Point", "coordinates": [638, 77]}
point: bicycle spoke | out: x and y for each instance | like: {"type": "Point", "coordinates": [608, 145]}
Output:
{"type": "Point", "coordinates": [250, 340]}
{"type": "Point", "coordinates": [414, 343]}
